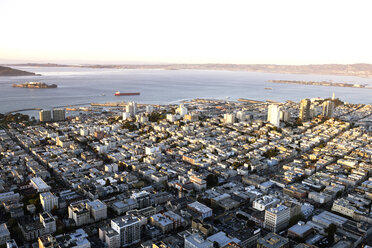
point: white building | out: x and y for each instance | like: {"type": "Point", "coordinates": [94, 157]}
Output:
{"type": "Point", "coordinates": [149, 108]}
{"type": "Point", "coordinates": [79, 213]}
{"type": "Point", "coordinates": [265, 202]}
{"type": "Point", "coordinates": [39, 184]}
{"type": "Point", "coordinates": [182, 110]}
{"type": "Point", "coordinates": [201, 209]}
{"type": "Point", "coordinates": [273, 114]}
{"type": "Point", "coordinates": [110, 237]}
{"type": "Point", "coordinates": [8, 196]}
{"type": "Point", "coordinates": [131, 108]}
{"type": "Point", "coordinates": [48, 201]}
{"type": "Point", "coordinates": [277, 218]}
{"type": "Point", "coordinates": [328, 108]}
{"type": "Point", "coordinates": [229, 118]}
{"type": "Point", "coordinates": [171, 118]}
{"type": "Point", "coordinates": [126, 116]}
{"type": "Point", "coordinates": [152, 150]}
{"type": "Point", "coordinates": [129, 229]}
{"type": "Point", "coordinates": [48, 222]}
{"type": "Point", "coordinates": [97, 209]}
{"type": "Point", "coordinates": [197, 241]}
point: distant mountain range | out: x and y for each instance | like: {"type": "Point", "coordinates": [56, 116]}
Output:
{"type": "Point", "coordinates": [358, 70]}
{"type": "Point", "coordinates": [7, 71]}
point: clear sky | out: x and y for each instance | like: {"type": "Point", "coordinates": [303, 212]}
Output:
{"type": "Point", "coordinates": [186, 31]}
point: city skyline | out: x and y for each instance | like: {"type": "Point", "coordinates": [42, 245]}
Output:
{"type": "Point", "coordinates": [145, 32]}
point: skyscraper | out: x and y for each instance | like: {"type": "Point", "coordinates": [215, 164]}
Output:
{"type": "Point", "coordinates": [45, 115]}
{"type": "Point", "coordinates": [273, 115]}
{"type": "Point", "coordinates": [131, 108]}
{"type": "Point", "coordinates": [328, 107]}
{"type": "Point", "coordinates": [305, 109]}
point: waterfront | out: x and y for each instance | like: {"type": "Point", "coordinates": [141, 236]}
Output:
{"type": "Point", "coordinates": [81, 85]}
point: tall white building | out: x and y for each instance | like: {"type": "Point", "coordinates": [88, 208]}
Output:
{"type": "Point", "coordinates": [131, 108]}
{"type": "Point", "coordinates": [229, 118]}
{"type": "Point", "coordinates": [129, 229]}
{"type": "Point", "coordinates": [149, 108]}
{"type": "Point", "coordinates": [276, 219]}
{"type": "Point", "coordinates": [273, 115]}
{"type": "Point", "coordinates": [126, 115]}
{"type": "Point", "coordinates": [182, 110]}
{"type": "Point", "coordinates": [48, 201]}
{"type": "Point", "coordinates": [328, 108]}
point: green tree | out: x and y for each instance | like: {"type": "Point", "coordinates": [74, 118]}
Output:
{"type": "Point", "coordinates": [212, 180]}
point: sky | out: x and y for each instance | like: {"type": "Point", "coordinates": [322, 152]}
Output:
{"type": "Point", "coordinates": [186, 31]}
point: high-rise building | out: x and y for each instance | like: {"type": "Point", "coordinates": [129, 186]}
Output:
{"type": "Point", "coordinates": [229, 118]}
{"type": "Point", "coordinates": [284, 115]}
{"type": "Point", "coordinates": [45, 116]}
{"type": "Point", "coordinates": [129, 229]}
{"type": "Point", "coordinates": [273, 115]}
{"type": "Point", "coordinates": [48, 201]}
{"type": "Point", "coordinates": [149, 108]}
{"type": "Point", "coordinates": [305, 109]}
{"type": "Point", "coordinates": [277, 218]}
{"type": "Point", "coordinates": [182, 110]}
{"type": "Point", "coordinates": [328, 108]}
{"type": "Point", "coordinates": [131, 108]}
{"type": "Point", "coordinates": [59, 114]}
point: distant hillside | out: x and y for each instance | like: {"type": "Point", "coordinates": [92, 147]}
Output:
{"type": "Point", "coordinates": [358, 70]}
{"type": "Point", "coordinates": [7, 71]}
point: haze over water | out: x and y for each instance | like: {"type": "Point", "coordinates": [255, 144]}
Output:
{"type": "Point", "coordinates": [83, 86]}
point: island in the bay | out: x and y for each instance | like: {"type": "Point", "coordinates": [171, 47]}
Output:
{"type": "Point", "coordinates": [322, 83]}
{"type": "Point", "coordinates": [7, 71]}
{"type": "Point", "coordinates": [35, 85]}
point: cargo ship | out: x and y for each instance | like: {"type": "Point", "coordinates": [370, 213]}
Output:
{"type": "Point", "coordinates": [118, 93]}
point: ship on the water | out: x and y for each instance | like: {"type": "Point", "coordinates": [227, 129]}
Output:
{"type": "Point", "coordinates": [118, 93]}
{"type": "Point", "coordinates": [35, 85]}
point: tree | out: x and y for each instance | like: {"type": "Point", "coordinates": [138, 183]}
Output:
{"type": "Point", "coordinates": [107, 182]}
{"type": "Point", "coordinates": [212, 180]}
{"type": "Point", "coordinates": [331, 230]}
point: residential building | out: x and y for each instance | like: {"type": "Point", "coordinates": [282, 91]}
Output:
{"type": "Point", "coordinates": [305, 109]}
{"type": "Point", "coordinates": [4, 234]}
{"type": "Point", "coordinates": [276, 219]}
{"type": "Point", "coordinates": [197, 241]}
{"type": "Point", "coordinates": [97, 209]}
{"type": "Point", "coordinates": [273, 240]}
{"type": "Point", "coordinates": [129, 229]}
{"type": "Point", "coordinates": [48, 201]}
{"type": "Point", "coordinates": [59, 114]}
{"type": "Point", "coordinates": [273, 114]}
{"type": "Point", "coordinates": [45, 116]}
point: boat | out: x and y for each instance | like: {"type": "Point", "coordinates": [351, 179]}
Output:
{"type": "Point", "coordinates": [118, 93]}
{"type": "Point", "coordinates": [268, 88]}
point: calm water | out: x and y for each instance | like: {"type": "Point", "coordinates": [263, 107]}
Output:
{"type": "Point", "coordinates": [78, 86]}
